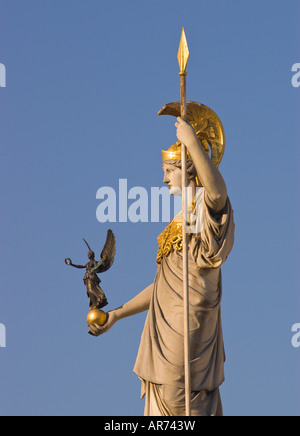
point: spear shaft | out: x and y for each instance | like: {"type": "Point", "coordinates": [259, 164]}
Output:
{"type": "Point", "coordinates": [183, 56]}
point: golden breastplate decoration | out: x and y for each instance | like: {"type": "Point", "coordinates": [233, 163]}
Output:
{"type": "Point", "coordinates": [169, 240]}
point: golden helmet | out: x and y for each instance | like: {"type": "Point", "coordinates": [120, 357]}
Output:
{"type": "Point", "coordinates": [208, 128]}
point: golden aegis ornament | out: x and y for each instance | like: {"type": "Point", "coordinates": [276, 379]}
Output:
{"type": "Point", "coordinates": [97, 316]}
{"type": "Point", "coordinates": [208, 127]}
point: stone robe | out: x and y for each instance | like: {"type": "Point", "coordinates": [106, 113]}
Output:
{"type": "Point", "coordinates": [160, 360]}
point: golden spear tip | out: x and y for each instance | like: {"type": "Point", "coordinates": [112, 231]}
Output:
{"type": "Point", "coordinates": [183, 53]}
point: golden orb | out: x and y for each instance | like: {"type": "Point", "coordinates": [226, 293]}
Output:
{"type": "Point", "coordinates": [97, 316]}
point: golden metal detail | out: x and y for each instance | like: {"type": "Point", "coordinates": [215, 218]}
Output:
{"type": "Point", "coordinates": [97, 316]}
{"type": "Point", "coordinates": [183, 53]}
{"type": "Point", "coordinates": [171, 238]}
{"type": "Point", "coordinates": [207, 125]}
{"type": "Point", "coordinates": [173, 153]}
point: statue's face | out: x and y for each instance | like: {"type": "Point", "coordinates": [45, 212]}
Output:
{"type": "Point", "coordinates": [91, 255]}
{"type": "Point", "coordinates": [172, 178]}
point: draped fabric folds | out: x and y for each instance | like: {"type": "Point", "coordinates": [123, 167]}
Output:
{"type": "Point", "coordinates": [166, 400]}
{"type": "Point", "coordinates": [160, 360]}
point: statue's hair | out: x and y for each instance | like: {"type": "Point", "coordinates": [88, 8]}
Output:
{"type": "Point", "coordinates": [191, 170]}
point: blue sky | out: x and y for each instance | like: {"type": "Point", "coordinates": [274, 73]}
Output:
{"type": "Point", "coordinates": [85, 80]}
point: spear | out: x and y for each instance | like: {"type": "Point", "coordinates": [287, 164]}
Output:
{"type": "Point", "coordinates": [183, 56]}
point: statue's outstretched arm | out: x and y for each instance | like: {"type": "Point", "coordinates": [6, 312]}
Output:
{"type": "Point", "coordinates": [78, 266]}
{"type": "Point", "coordinates": [138, 304]}
{"type": "Point", "coordinates": [208, 174]}
{"type": "Point", "coordinates": [70, 263]}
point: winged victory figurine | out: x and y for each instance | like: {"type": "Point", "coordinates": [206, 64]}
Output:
{"type": "Point", "coordinates": [97, 298]}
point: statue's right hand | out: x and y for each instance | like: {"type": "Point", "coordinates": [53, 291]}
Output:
{"type": "Point", "coordinates": [97, 329]}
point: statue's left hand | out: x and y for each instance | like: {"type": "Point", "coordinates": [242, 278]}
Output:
{"type": "Point", "coordinates": [185, 132]}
